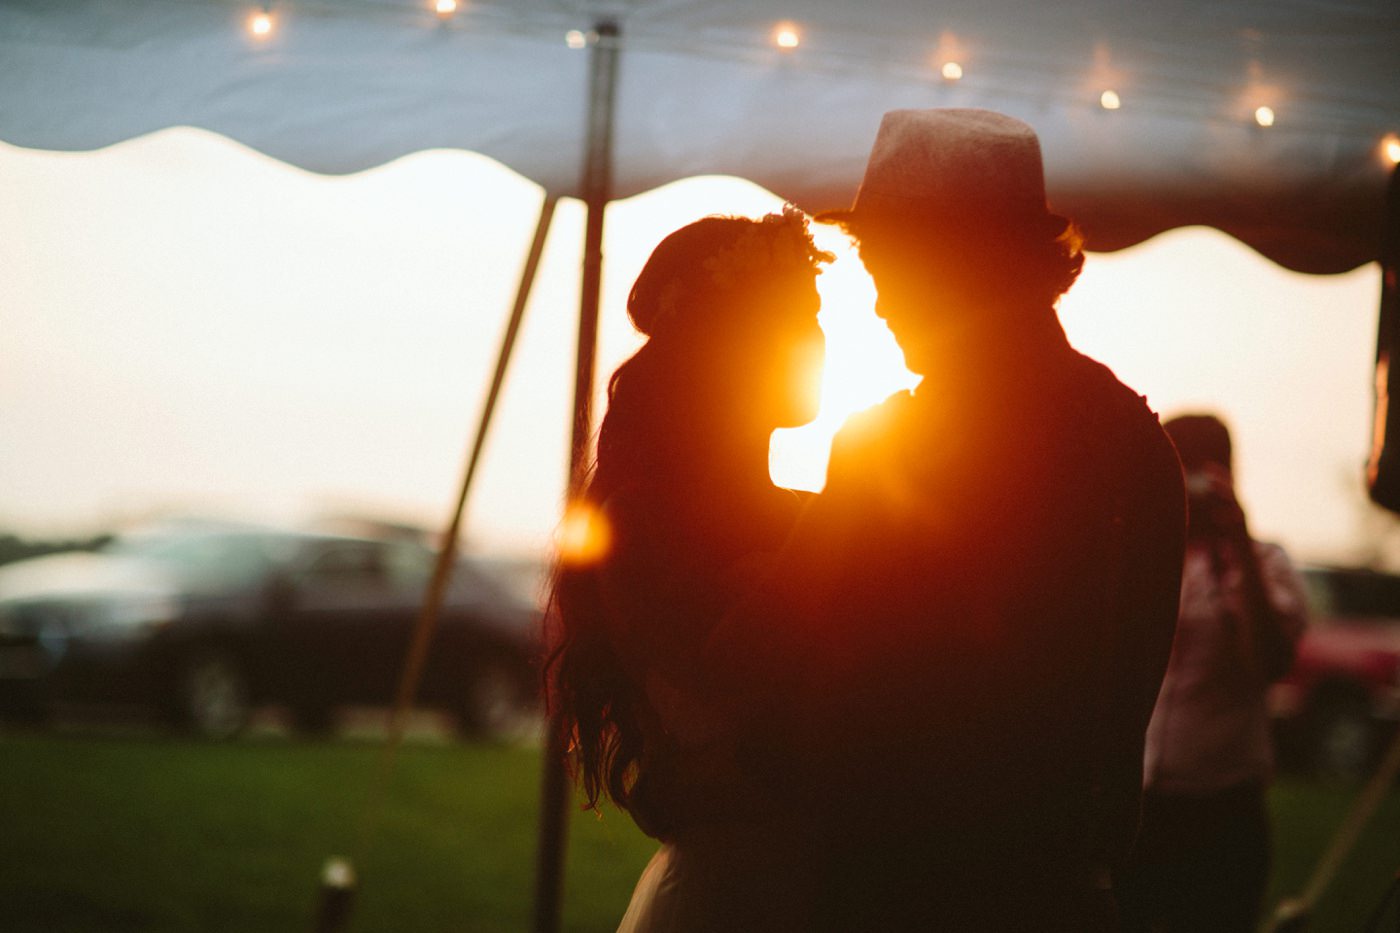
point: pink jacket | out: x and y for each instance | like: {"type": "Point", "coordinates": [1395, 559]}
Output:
{"type": "Point", "coordinates": [1210, 727]}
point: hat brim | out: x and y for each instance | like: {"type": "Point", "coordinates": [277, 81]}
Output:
{"type": "Point", "coordinates": [843, 219]}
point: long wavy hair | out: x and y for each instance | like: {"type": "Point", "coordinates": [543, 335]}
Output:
{"type": "Point", "coordinates": [700, 281]}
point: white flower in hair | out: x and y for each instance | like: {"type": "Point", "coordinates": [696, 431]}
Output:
{"type": "Point", "coordinates": [778, 242]}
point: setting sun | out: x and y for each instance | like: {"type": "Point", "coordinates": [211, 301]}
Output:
{"type": "Point", "coordinates": [864, 365]}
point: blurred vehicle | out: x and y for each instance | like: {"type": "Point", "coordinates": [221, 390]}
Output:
{"type": "Point", "coordinates": [204, 622]}
{"type": "Point", "coordinates": [1341, 701]}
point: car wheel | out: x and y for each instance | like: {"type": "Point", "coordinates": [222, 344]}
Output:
{"type": "Point", "coordinates": [214, 699]}
{"type": "Point", "coordinates": [1344, 740]}
{"type": "Point", "coordinates": [499, 703]}
{"type": "Point", "coordinates": [29, 712]}
{"type": "Point", "coordinates": [313, 719]}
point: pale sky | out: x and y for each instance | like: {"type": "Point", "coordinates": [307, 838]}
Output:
{"type": "Point", "coordinates": [189, 326]}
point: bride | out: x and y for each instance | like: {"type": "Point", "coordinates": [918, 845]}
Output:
{"type": "Point", "coordinates": [681, 493]}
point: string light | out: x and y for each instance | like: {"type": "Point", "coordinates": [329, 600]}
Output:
{"type": "Point", "coordinates": [1390, 148]}
{"type": "Point", "coordinates": [786, 36]}
{"type": "Point", "coordinates": [949, 55]}
{"type": "Point", "coordinates": [260, 23]}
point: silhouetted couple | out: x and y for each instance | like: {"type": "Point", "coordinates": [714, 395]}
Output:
{"type": "Point", "coordinates": [917, 700]}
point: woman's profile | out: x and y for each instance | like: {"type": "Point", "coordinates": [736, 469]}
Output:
{"type": "Point", "coordinates": [681, 493]}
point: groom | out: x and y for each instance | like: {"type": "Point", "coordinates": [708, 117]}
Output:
{"type": "Point", "coordinates": [949, 676]}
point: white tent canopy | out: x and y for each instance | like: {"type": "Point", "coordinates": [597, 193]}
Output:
{"type": "Point", "coordinates": [342, 86]}
{"type": "Point", "coordinates": [338, 86]}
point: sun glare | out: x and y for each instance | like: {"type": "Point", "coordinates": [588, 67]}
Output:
{"type": "Point", "coordinates": [864, 365]}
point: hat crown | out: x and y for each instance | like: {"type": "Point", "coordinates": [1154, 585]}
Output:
{"type": "Point", "coordinates": [953, 159]}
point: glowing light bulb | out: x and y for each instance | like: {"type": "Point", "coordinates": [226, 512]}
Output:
{"type": "Point", "coordinates": [1108, 100]}
{"type": "Point", "coordinates": [1264, 116]}
{"type": "Point", "coordinates": [786, 36]}
{"type": "Point", "coordinates": [445, 7]}
{"type": "Point", "coordinates": [1390, 149]}
{"type": "Point", "coordinates": [952, 71]}
{"type": "Point", "coordinates": [575, 39]}
{"type": "Point", "coordinates": [260, 24]}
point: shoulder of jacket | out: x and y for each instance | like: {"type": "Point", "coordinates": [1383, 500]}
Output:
{"type": "Point", "coordinates": [870, 431]}
{"type": "Point", "coordinates": [877, 421]}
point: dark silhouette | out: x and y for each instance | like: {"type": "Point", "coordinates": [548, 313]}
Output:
{"type": "Point", "coordinates": [949, 674]}
{"type": "Point", "coordinates": [682, 495]}
{"type": "Point", "coordinates": [1203, 857]}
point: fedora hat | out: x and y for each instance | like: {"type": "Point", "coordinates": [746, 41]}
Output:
{"type": "Point", "coordinates": [952, 166]}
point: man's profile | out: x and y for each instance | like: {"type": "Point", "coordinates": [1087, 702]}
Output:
{"type": "Point", "coordinates": [963, 639]}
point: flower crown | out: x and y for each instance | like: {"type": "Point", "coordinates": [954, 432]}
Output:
{"type": "Point", "coordinates": [778, 241]}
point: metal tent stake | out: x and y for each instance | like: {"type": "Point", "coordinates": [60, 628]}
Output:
{"type": "Point", "coordinates": [597, 191]}
{"type": "Point", "coordinates": [337, 896]}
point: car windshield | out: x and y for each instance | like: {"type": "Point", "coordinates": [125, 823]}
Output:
{"type": "Point", "coordinates": [203, 561]}
{"type": "Point", "coordinates": [1352, 593]}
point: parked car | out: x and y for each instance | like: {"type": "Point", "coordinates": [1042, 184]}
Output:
{"type": "Point", "coordinates": [205, 622]}
{"type": "Point", "coordinates": [1341, 701]}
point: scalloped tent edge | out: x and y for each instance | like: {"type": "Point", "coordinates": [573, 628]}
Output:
{"type": "Point", "coordinates": [339, 88]}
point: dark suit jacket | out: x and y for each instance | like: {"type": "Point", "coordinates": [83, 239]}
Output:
{"type": "Point", "coordinates": [950, 673]}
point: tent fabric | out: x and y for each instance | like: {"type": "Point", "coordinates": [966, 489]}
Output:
{"type": "Point", "coordinates": [343, 86]}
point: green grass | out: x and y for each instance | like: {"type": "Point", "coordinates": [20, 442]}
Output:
{"type": "Point", "coordinates": [127, 833]}
{"type": "Point", "coordinates": [117, 834]}
{"type": "Point", "coordinates": [1306, 816]}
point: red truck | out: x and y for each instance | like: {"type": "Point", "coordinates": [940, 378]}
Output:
{"type": "Point", "coordinates": [1338, 706]}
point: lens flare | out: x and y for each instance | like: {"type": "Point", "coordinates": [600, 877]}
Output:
{"type": "Point", "coordinates": [585, 537]}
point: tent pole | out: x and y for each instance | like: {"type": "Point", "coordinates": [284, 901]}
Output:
{"type": "Point", "coordinates": [597, 191]}
{"type": "Point", "coordinates": [517, 313]}
{"type": "Point", "coordinates": [447, 549]}
{"type": "Point", "coordinates": [437, 585]}
{"type": "Point", "coordinates": [333, 910]}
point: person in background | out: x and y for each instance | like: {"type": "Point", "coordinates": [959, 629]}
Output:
{"type": "Point", "coordinates": [1202, 859]}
